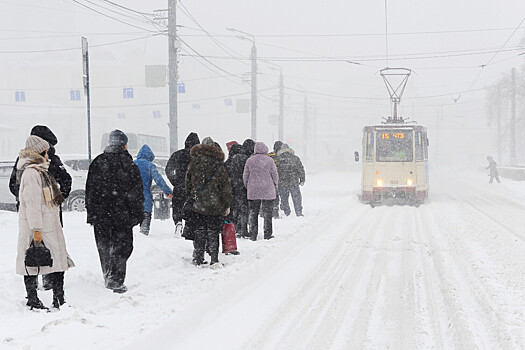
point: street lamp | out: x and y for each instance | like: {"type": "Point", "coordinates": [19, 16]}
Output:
{"type": "Point", "coordinates": [280, 122]}
{"type": "Point", "coordinates": [253, 58]}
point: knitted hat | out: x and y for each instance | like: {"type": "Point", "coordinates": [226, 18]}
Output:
{"type": "Point", "coordinates": [37, 144]}
{"type": "Point", "coordinates": [208, 141]}
{"type": "Point", "coordinates": [117, 138]}
{"type": "Point", "coordinates": [230, 144]}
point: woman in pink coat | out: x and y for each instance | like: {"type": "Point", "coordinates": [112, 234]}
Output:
{"type": "Point", "coordinates": [260, 179]}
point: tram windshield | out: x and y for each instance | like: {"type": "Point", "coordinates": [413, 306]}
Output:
{"type": "Point", "coordinates": [394, 146]}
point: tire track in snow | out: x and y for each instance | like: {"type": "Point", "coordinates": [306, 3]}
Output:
{"type": "Point", "coordinates": [476, 310]}
{"type": "Point", "coordinates": [313, 312]}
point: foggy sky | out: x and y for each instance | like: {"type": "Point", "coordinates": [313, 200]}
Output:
{"type": "Point", "coordinates": [297, 29]}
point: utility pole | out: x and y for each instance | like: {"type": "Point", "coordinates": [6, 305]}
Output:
{"type": "Point", "coordinates": [173, 74]}
{"type": "Point", "coordinates": [498, 115]}
{"type": "Point", "coordinates": [513, 120]}
{"type": "Point", "coordinates": [305, 128]}
{"type": "Point", "coordinates": [85, 79]}
{"type": "Point", "coordinates": [254, 90]}
{"type": "Point", "coordinates": [280, 125]}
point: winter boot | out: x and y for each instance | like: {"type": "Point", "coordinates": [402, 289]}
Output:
{"type": "Point", "coordinates": [58, 290]}
{"type": "Point", "coordinates": [31, 283]}
{"type": "Point", "coordinates": [178, 229]}
{"type": "Point", "coordinates": [145, 224]}
{"type": "Point", "coordinates": [46, 282]}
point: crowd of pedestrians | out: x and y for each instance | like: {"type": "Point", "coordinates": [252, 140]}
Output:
{"type": "Point", "coordinates": [207, 193]}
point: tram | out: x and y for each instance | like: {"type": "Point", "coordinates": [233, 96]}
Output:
{"type": "Point", "coordinates": [395, 164]}
{"type": "Point", "coordinates": [395, 154]}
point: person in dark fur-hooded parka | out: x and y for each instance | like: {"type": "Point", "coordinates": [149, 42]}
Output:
{"type": "Point", "coordinates": [114, 203]}
{"type": "Point", "coordinates": [211, 202]}
{"type": "Point", "coordinates": [39, 222]}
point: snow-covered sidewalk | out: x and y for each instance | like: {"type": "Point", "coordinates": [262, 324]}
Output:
{"type": "Point", "coordinates": [446, 275]}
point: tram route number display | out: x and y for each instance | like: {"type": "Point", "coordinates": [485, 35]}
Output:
{"type": "Point", "coordinates": [393, 135]}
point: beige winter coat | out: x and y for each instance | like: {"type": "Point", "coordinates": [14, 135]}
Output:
{"type": "Point", "coordinates": [35, 214]}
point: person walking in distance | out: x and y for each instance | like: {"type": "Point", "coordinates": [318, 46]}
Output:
{"type": "Point", "coordinates": [261, 180]}
{"type": "Point", "coordinates": [39, 222]}
{"type": "Point", "coordinates": [208, 184]}
{"type": "Point", "coordinates": [291, 176]}
{"type": "Point", "coordinates": [176, 172]}
{"type": "Point", "coordinates": [149, 172]}
{"type": "Point", "coordinates": [114, 203]}
{"type": "Point", "coordinates": [493, 172]}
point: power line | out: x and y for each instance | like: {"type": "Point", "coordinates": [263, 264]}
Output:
{"type": "Point", "coordinates": [197, 54]}
{"type": "Point", "coordinates": [127, 8]}
{"type": "Point", "coordinates": [223, 47]}
{"type": "Point", "coordinates": [108, 16]}
{"type": "Point", "coordinates": [78, 47]}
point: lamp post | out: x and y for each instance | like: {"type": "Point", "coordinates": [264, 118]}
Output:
{"type": "Point", "coordinates": [253, 58]}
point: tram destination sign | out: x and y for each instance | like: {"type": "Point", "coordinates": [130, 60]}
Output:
{"type": "Point", "coordinates": [392, 135]}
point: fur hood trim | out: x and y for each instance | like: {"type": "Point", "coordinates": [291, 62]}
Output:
{"type": "Point", "coordinates": [285, 150]}
{"type": "Point", "coordinates": [207, 150]}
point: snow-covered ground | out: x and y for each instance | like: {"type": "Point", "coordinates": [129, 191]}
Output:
{"type": "Point", "coordinates": [447, 275]}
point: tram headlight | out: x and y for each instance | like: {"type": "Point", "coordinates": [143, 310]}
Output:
{"type": "Point", "coordinates": [409, 182]}
{"type": "Point", "coordinates": [379, 182]}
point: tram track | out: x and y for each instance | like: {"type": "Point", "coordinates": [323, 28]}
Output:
{"type": "Point", "coordinates": [471, 290]}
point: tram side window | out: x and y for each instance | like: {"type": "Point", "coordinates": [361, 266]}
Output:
{"type": "Point", "coordinates": [419, 146]}
{"type": "Point", "coordinates": [369, 146]}
{"type": "Point", "coordinates": [425, 145]}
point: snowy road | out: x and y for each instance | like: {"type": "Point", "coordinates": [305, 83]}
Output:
{"type": "Point", "coordinates": [447, 275]}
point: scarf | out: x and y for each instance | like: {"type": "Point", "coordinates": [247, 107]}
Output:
{"type": "Point", "coordinates": [31, 159]}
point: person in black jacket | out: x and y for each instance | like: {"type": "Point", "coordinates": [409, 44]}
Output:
{"type": "Point", "coordinates": [228, 164]}
{"type": "Point", "coordinates": [176, 172]}
{"type": "Point", "coordinates": [56, 169]}
{"type": "Point", "coordinates": [291, 176]}
{"type": "Point", "coordinates": [240, 195]}
{"type": "Point", "coordinates": [114, 203]}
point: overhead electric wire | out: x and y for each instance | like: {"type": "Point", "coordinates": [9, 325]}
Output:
{"type": "Point", "coordinates": [210, 62]}
{"type": "Point", "coordinates": [78, 47]}
{"type": "Point", "coordinates": [127, 8]}
{"type": "Point", "coordinates": [482, 67]}
{"type": "Point", "coordinates": [108, 16]}
{"type": "Point", "coordinates": [223, 47]}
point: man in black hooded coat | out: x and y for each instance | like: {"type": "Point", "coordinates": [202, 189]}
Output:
{"type": "Point", "coordinates": [114, 204]}
{"type": "Point", "coordinates": [176, 169]}
{"type": "Point", "coordinates": [240, 195]}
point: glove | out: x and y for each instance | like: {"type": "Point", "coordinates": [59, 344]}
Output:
{"type": "Point", "coordinates": [37, 236]}
{"type": "Point", "coordinates": [227, 212]}
{"type": "Point", "coordinates": [301, 183]}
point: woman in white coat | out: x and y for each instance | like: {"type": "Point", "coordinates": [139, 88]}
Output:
{"type": "Point", "coordinates": [39, 220]}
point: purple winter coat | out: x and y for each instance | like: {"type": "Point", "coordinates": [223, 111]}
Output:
{"type": "Point", "coordinates": [260, 174]}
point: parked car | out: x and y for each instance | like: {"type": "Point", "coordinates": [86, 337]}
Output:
{"type": "Point", "coordinates": [77, 165]}
{"type": "Point", "coordinates": [7, 200]}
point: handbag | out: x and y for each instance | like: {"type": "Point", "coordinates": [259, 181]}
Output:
{"type": "Point", "coordinates": [37, 256]}
{"type": "Point", "coordinates": [229, 240]}
{"type": "Point", "coordinates": [187, 207]}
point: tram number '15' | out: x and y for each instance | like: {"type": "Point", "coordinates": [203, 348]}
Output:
{"type": "Point", "coordinates": [397, 135]}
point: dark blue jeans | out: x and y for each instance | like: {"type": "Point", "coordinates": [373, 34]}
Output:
{"type": "Point", "coordinates": [297, 199]}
